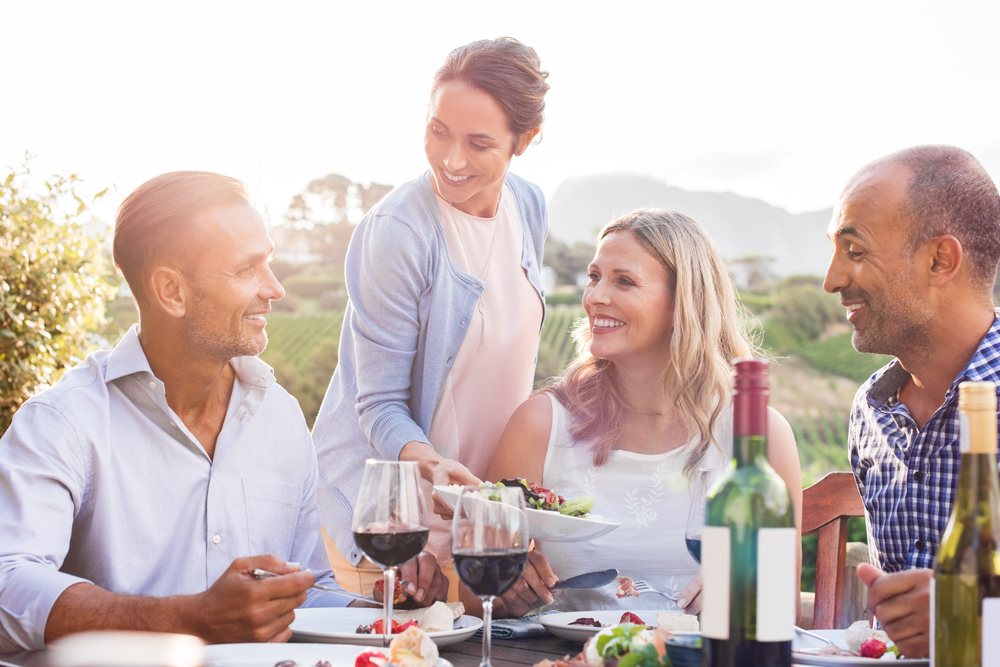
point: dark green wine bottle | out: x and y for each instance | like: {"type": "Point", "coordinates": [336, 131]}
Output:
{"type": "Point", "coordinates": [748, 546]}
{"type": "Point", "coordinates": [967, 567]}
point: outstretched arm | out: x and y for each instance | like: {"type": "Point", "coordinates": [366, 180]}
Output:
{"type": "Point", "coordinates": [236, 608]}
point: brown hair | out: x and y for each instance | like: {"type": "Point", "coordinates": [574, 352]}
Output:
{"type": "Point", "coordinates": [158, 214]}
{"type": "Point", "coordinates": [509, 71]}
{"type": "Point", "coordinates": [710, 330]}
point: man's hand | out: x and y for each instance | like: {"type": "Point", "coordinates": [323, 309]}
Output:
{"type": "Point", "coordinates": [240, 608]}
{"type": "Point", "coordinates": [901, 603]}
{"type": "Point", "coordinates": [530, 589]}
{"type": "Point", "coordinates": [426, 582]}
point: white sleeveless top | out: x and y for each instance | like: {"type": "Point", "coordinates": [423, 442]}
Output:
{"type": "Point", "coordinates": [648, 494]}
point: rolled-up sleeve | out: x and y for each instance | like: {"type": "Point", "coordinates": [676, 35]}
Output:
{"type": "Point", "coordinates": [43, 472]}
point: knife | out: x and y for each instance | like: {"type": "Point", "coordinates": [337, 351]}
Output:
{"type": "Point", "coordinates": [589, 580]}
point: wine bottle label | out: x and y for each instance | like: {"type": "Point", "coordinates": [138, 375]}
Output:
{"type": "Point", "coordinates": [932, 590]}
{"type": "Point", "coordinates": [991, 638]}
{"type": "Point", "coordinates": [715, 582]}
{"type": "Point", "coordinates": [775, 584]}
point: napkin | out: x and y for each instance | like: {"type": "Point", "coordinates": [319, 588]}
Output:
{"type": "Point", "coordinates": [516, 628]}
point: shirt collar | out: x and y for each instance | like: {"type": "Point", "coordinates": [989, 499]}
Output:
{"type": "Point", "coordinates": [128, 358]}
{"type": "Point", "coordinates": [981, 367]}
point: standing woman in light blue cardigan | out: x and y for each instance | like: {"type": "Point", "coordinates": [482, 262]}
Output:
{"type": "Point", "coordinates": [445, 306]}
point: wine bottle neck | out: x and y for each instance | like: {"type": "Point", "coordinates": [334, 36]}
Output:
{"type": "Point", "coordinates": [748, 449]}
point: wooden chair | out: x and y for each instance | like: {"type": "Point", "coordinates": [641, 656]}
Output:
{"type": "Point", "coordinates": [826, 507]}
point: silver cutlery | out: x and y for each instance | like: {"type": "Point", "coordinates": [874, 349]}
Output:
{"type": "Point", "coordinates": [588, 580]}
{"type": "Point", "coordinates": [813, 635]}
{"type": "Point", "coordinates": [264, 574]}
{"type": "Point", "coordinates": [644, 587]}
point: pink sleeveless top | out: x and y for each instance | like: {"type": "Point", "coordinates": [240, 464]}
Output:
{"type": "Point", "coordinates": [495, 366]}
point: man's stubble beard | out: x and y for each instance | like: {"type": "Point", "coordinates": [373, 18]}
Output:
{"type": "Point", "coordinates": [897, 322]}
{"type": "Point", "coordinates": [232, 343]}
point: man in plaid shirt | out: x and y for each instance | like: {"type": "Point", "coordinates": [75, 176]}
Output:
{"type": "Point", "coordinates": [917, 236]}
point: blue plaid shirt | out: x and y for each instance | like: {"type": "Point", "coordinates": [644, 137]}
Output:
{"type": "Point", "coordinates": [907, 476]}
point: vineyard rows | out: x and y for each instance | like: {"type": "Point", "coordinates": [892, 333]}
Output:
{"type": "Point", "coordinates": [295, 336]}
{"type": "Point", "coordinates": [821, 436]}
{"type": "Point", "coordinates": [837, 355]}
{"type": "Point", "coordinates": [556, 347]}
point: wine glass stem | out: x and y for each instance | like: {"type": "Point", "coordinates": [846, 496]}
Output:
{"type": "Point", "coordinates": [487, 630]}
{"type": "Point", "coordinates": [389, 580]}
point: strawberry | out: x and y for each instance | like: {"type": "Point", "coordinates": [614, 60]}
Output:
{"type": "Point", "coordinates": [365, 659]}
{"type": "Point", "coordinates": [629, 617]}
{"type": "Point", "coordinates": [872, 648]}
{"type": "Point", "coordinates": [404, 626]}
{"type": "Point", "coordinates": [378, 625]}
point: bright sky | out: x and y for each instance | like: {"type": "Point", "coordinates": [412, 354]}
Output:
{"type": "Point", "coordinates": [782, 101]}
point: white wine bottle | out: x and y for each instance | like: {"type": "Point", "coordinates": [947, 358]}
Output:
{"type": "Point", "coordinates": [966, 589]}
{"type": "Point", "coordinates": [748, 544]}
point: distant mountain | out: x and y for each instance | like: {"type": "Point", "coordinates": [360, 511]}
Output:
{"type": "Point", "coordinates": [740, 226]}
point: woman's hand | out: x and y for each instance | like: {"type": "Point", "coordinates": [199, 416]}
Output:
{"type": "Point", "coordinates": [426, 583]}
{"type": "Point", "coordinates": [690, 598]}
{"type": "Point", "coordinates": [530, 589]}
{"type": "Point", "coordinates": [438, 470]}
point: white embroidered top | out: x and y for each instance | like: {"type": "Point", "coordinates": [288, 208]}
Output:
{"type": "Point", "coordinates": [648, 494]}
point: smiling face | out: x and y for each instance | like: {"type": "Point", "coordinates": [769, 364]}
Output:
{"type": "Point", "coordinates": [469, 147]}
{"type": "Point", "coordinates": [629, 303]}
{"type": "Point", "coordinates": [876, 278]}
{"type": "Point", "coordinates": [232, 283]}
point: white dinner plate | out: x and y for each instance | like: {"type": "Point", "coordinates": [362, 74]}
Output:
{"type": "Point", "coordinates": [803, 644]}
{"type": "Point", "coordinates": [337, 625]}
{"type": "Point", "coordinates": [558, 623]}
{"type": "Point", "coordinates": [551, 526]}
{"type": "Point", "coordinates": [306, 655]}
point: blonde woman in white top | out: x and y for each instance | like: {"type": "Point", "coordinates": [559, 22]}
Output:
{"type": "Point", "coordinates": [645, 403]}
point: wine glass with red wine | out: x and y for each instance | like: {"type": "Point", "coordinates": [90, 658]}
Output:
{"type": "Point", "coordinates": [701, 483]}
{"type": "Point", "coordinates": [489, 544]}
{"type": "Point", "coordinates": [390, 523]}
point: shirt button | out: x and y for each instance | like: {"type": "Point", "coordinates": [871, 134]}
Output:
{"type": "Point", "coordinates": [919, 544]}
{"type": "Point", "coordinates": [449, 359]}
{"type": "Point", "coordinates": [152, 385]}
{"type": "Point", "coordinates": [464, 320]}
{"type": "Point", "coordinates": [216, 539]}
{"type": "Point", "coordinates": [918, 476]}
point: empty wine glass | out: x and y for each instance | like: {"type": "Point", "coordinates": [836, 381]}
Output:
{"type": "Point", "coordinates": [390, 523]}
{"type": "Point", "coordinates": [489, 543]}
{"type": "Point", "coordinates": [701, 484]}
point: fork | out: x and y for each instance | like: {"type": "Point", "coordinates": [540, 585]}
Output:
{"type": "Point", "coordinates": [644, 587]}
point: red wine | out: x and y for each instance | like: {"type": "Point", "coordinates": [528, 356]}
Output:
{"type": "Point", "coordinates": [391, 549]}
{"type": "Point", "coordinates": [694, 548]}
{"type": "Point", "coordinates": [748, 587]}
{"type": "Point", "coordinates": [491, 572]}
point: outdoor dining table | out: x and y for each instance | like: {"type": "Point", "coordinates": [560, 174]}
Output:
{"type": "Point", "coordinates": [506, 653]}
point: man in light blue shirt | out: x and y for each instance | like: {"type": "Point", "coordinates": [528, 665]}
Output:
{"type": "Point", "coordinates": [141, 490]}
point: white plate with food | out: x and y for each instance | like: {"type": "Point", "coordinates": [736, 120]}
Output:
{"type": "Point", "coordinates": [303, 655]}
{"type": "Point", "coordinates": [549, 525]}
{"type": "Point", "coordinates": [806, 651]}
{"type": "Point", "coordinates": [338, 625]}
{"type": "Point", "coordinates": [577, 626]}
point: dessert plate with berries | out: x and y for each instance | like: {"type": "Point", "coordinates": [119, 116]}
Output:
{"type": "Point", "coordinates": [363, 626]}
{"type": "Point", "coordinates": [858, 645]}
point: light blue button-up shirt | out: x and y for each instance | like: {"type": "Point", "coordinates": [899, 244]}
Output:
{"type": "Point", "coordinates": [100, 481]}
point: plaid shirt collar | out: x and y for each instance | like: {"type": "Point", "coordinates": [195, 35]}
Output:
{"type": "Point", "coordinates": [907, 476]}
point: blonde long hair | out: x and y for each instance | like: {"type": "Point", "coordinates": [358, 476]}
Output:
{"type": "Point", "coordinates": [710, 330]}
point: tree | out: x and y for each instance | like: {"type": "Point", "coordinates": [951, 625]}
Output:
{"type": "Point", "coordinates": [52, 286]}
{"type": "Point", "coordinates": [322, 218]}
